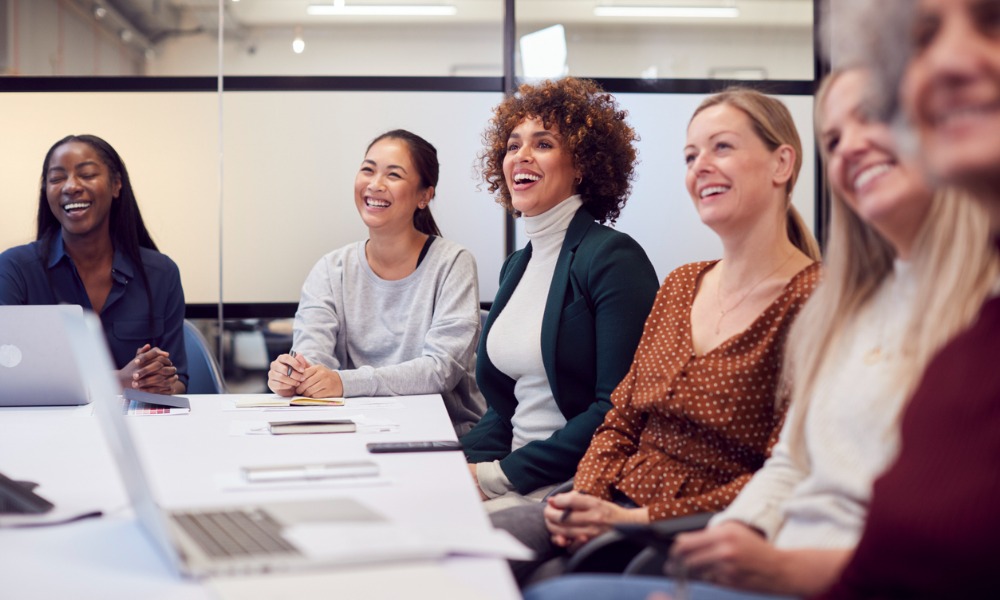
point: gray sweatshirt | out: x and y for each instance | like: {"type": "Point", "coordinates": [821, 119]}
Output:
{"type": "Point", "coordinates": [416, 335]}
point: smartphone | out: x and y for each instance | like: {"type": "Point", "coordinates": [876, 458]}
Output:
{"type": "Point", "coordinates": [434, 446]}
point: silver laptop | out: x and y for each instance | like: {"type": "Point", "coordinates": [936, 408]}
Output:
{"type": "Point", "coordinates": [36, 364]}
{"type": "Point", "coordinates": [221, 540]}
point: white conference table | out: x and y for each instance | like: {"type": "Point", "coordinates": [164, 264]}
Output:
{"type": "Point", "coordinates": [189, 458]}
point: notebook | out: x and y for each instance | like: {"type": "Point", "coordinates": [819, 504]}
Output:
{"type": "Point", "coordinates": [36, 365]}
{"type": "Point", "coordinates": [221, 540]}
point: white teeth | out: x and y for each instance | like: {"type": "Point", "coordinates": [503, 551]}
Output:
{"type": "Point", "coordinates": [866, 176]}
{"type": "Point", "coordinates": [376, 203]}
{"type": "Point", "coordinates": [715, 189]}
{"type": "Point", "coordinates": [76, 205]}
{"type": "Point", "coordinates": [525, 177]}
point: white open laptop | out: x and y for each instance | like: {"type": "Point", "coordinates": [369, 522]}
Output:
{"type": "Point", "coordinates": [221, 540]}
{"type": "Point", "coordinates": [36, 362]}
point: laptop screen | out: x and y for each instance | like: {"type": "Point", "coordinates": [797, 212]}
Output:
{"type": "Point", "coordinates": [37, 367]}
{"type": "Point", "coordinates": [93, 358]}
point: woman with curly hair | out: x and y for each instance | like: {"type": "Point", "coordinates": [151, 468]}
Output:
{"type": "Point", "coordinates": [561, 156]}
{"type": "Point", "coordinates": [700, 408]}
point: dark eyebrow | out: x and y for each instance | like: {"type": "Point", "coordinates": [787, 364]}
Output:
{"type": "Point", "coordinates": [87, 163]}
{"type": "Point", "coordinates": [537, 134]}
{"type": "Point", "coordinates": [374, 164]}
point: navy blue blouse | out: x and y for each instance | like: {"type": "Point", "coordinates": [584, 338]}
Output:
{"type": "Point", "coordinates": [27, 278]}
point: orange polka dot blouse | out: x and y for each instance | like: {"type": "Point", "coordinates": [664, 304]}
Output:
{"type": "Point", "coordinates": [686, 432]}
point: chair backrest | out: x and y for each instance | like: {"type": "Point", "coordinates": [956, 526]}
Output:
{"type": "Point", "coordinates": [204, 376]}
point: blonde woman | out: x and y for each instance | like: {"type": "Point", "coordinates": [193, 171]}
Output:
{"type": "Point", "coordinates": [905, 271]}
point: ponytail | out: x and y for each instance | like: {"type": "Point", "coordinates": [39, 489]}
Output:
{"type": "Point", "coordinates": [423, 222]}
{"type": "Point", "coordinates": [800, 236]}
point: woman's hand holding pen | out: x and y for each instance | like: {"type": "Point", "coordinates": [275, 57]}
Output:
{"type": "Point", "coordinates": [575, 518]}
{"type": "Point", "coordinates": [292, 374]}
{"type": "Point", "coordinates": [287, 373]}
{"type": "Point", "coordinates": [151, 371]}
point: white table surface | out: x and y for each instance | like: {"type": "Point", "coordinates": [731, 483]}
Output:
{"type": "Point", "coordinates": [187, 457]}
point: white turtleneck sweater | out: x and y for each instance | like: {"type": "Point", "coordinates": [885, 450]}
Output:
{"type": "Point", "coordinates": [815, 494]}
{"type": "Point", "coordinates": [514, 343]}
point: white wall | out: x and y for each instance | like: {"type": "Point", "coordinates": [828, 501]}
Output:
{"type": "Point", "coordinates": [169, 144]}
{"type": "Point", "coordinates": [291, 159]}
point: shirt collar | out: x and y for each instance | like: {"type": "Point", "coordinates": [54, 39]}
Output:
{"type": "Point", "coordinates": [121, 266]}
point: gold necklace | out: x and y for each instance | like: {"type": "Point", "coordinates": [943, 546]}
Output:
{"type": "Point", "coordinates": [718, 292]}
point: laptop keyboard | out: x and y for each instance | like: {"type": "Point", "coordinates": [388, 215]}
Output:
{"type": "Point", "coordinates": [235, 533]}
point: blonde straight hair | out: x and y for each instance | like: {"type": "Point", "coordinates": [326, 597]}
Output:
{"type": "Point", "coordinates": [774, 125]}
{"type": "Point", "coordinates": [954, 268]}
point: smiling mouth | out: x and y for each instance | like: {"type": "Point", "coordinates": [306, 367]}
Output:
{"type": "Point", "coordinates": [524, 178]}
{"type": "Point", "coordinates": [375, 203]}
{"type": "Point", "coordinates": [870, 174]}
{"type": "Point", "coordinates": [76, 207]}
{"type": "Point", "coordinates": [713, 190]}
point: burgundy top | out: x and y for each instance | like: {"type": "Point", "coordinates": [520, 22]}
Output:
{"type": "Point", "coordinates": [933, 530]}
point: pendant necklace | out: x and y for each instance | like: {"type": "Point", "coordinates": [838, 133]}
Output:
{"type": "Point", "coordinates": [718, 293]}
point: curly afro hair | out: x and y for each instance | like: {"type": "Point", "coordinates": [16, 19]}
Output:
{"type": "Point", "coordinates": [593, 128]}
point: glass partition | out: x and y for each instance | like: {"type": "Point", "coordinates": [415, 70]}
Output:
{"type": "Point", "coordinates": [663, 39]}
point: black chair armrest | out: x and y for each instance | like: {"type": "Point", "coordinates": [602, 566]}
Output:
{"type": "Point", "coordinates": [609, 552]}
{"type": "Point", "coordinates": [614, 551]}
{"type": "Point", "coordinates": [662, 533]}
{"type": "Point", "coordinates": [658, 537]}
{"type": "Point", "coordinates": [562, 488]}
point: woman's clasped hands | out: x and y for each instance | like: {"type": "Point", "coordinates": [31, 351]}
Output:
{"type": "Point", "coordinates": [150, 371]}
{"type": "Point", "coordinates": [574, 518]}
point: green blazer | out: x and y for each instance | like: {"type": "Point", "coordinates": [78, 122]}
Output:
{"type": "Point", "coordinates": [602, 290]}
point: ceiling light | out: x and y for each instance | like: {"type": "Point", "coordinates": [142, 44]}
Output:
{"type": "Point", "coordinates": [341, 8]}
{"type": "Point", "coordinates": [125, 35]}
{"type": "Point", "coordinates": [682, 12]}
{"type": "Point", "coordinates": [298, 44]}
{"type": "Point", "coordinates": [100, 12]}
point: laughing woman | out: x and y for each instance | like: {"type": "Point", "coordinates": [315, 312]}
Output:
{"type": "Point", "coordinates": [91, 244]}
{"type": "Point", "coordinates": [397, 313]}
{"type": "Point", "coordinates": [570, 307]}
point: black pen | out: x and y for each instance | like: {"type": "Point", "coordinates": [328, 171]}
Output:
{"type": "Point", "coordinates": [289, 373]}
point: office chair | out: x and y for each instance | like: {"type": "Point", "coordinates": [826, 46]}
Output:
{"type": "Point", "coordinates": [204, 376]}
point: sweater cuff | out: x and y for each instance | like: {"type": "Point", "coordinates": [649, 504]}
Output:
{"type": "Point", "coordinates": [492, 480]}
{"type": "Point", "coordinates": [766, 519]}
{"type": "Point", "coordinates": [356, 382]}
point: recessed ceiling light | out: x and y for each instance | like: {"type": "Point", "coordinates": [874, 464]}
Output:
{"type": "Point", "coordinates": [341, 8]}
{"type": "Point", "coordinates": [681, 12]}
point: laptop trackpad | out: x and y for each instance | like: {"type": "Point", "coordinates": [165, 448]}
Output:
{"type": "Point", "coordinates": [331, 510]}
